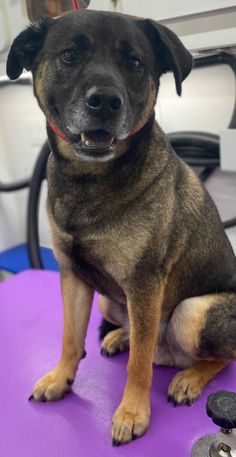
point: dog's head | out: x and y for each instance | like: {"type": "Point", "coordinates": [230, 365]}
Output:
{"type": "Point", "coordinates": [96, 75]}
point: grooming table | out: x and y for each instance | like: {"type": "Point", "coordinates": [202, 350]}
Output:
{"type": "Point", "coordinates": [79, 425]}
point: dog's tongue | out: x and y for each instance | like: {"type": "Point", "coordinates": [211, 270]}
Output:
{"type": "Point", "coordinates": [98, 139]}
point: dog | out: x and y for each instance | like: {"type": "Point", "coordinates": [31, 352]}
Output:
{"type": "Point", "coordinates": [128, 218]}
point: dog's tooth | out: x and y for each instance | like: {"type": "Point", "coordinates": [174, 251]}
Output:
{"type": "Point", "coordinates": [84, 140]}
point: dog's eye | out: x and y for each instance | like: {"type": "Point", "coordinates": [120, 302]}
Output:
{"type": "Point", "coordinates": [68, 56]}
{"type": "Point", "coordinates": [134, 64]}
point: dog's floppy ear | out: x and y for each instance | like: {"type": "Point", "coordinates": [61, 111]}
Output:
{"type": "Point", "coordinates": [26, 46]}
{"type": "Point", "coordinates": [170, 52]}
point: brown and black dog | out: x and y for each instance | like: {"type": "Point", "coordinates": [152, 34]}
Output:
{"type": "Point", "coordinates": [128, 218]}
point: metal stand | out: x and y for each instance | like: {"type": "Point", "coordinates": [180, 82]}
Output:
{"type": "Point", "coordinates": [221, 407]}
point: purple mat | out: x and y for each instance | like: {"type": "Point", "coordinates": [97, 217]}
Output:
{"type": "Point", "coordinates": [80, 424]}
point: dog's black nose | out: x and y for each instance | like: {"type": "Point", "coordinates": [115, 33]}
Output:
{"type": "Point", "coordinates": [101, 100]}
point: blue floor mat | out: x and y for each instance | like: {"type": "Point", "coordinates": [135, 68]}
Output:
{"type": "Point", "coordinates": [16, 259]}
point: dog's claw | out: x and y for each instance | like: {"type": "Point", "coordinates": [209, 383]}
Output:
{"type": "Point", "coordinates": [116, 442]}
{"type": "Point", "coordinates": [170, 399]}
{"type": "Point", "coordinates": [42, 398]}
{"type": "Point", "coordinates": [104, 352]}
{"type": "Point", "coordinates": [191, 402]}
{"type": "Point", "coordinates": [186, 401]}
{"type": "Point", "coordinates": [109, 354]}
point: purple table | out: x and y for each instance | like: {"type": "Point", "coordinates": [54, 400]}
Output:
{"type": "Point", "coordinates": [80, 424]}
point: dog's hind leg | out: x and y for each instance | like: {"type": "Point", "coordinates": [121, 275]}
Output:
{"type": "Point", "coordinates": [188, 384]}
{"type": "Point", "coordinates": [114, 330]}
{"type": "Point", "coordinates": [115, 342]}
{"type": "Point", "coordinates": [204, 329]}
{"type": "Point", "coordinates": [77, 298]}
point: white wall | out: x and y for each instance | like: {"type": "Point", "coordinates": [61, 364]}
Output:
{"type": "Point", "coordinates": [201, 24]}
{"type": "Point", "coordinates": [22, 131]}
{"type": "Point", "coordinates": [206, 103]}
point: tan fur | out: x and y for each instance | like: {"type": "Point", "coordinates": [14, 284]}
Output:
{"type": "Point", "coordinates": [188, 384]}
{"type": "Point", "coordinates": [113, 312]}
{"type": "Point", "coordinates": [132, 416]}
{"type": "Point", "coordinates": [77, 299]}
{"type": "Point", "coordinates": [39, 83]}
{"type": "Point", "coordinates": [115, 341]}
{"type": "Point", "coordinates": [61, 242]}
{"type": "Point", "coordinates": [187, 322]}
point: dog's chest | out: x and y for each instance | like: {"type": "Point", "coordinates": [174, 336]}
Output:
{"type": "Point", "coordinates": [110, 232]}
{"type": "Point", "coordinates": [105, 253]}
{"type": "Point", "coordinates": [108, 257]}
{"type": "Point", "coordinates": [90, 268]}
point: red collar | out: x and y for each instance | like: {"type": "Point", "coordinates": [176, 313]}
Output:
{"type": "Point", "coordinates": [57, 131]}
{"type": "Point", "coordinates": [137, 129]}
{"type": "Point", "coordinates": [61, 135]}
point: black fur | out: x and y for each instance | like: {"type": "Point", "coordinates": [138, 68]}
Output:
{"type": "Point", "coordinates": [106, 327]}
{"type": "Point", "coordinates": [218, 338]}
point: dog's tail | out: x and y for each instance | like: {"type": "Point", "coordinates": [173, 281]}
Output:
{"type": "Point", "coordinates": [106, 327]}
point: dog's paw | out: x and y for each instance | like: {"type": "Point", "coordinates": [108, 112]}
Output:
{"type": "Point", "coordinates": [185, 387]}
{"type": "Point", "coordinates": [53, 386]}
{"type": "Point", "coordinates": [114, 342]}
{"type": "Point", "coordinates": [128, 424]}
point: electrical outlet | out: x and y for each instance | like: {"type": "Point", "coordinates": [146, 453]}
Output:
{"type": "Point", "coordinates": [228, 150]}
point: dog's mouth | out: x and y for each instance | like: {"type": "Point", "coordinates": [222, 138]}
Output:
{"type": "Point", "coordinates": [97, 140]}
{"type": "Point", "coordinates": [94, 145]}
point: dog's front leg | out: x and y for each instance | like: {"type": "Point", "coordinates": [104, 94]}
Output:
{"type": "Point", "coordinates": [77, 299]}
{"type": "Point", "coordinates": [131, 419]}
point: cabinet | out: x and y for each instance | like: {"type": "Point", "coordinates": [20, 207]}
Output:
{"type": "Point", "coordinates": [169, 9]}
{"type": "Point", "coordinates": [201, 24]}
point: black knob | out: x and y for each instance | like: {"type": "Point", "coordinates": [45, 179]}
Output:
{"type": "Point", "coordinates": [221, 407]}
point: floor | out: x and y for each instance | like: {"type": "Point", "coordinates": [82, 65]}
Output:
{"type": "Point", "coordinates": [80, 424]}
